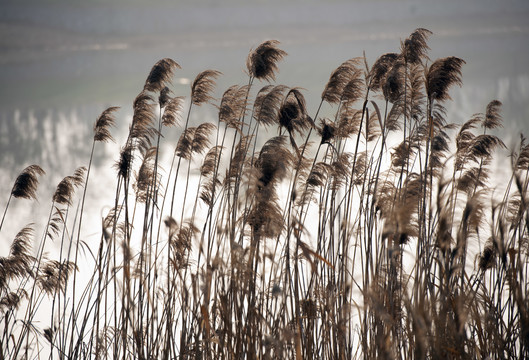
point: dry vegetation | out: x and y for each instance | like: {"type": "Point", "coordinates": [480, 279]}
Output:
{"type": "Point", "coordinates": [372, 233]}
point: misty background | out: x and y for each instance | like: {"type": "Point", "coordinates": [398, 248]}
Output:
{"type": "Point", "coordinates": [63, 62]}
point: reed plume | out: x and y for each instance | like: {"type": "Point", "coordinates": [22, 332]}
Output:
{"type": "Point", "coordinates": [65, 189]}
{"type": "Point", "coordinates": [414, 48]}
{"type": "Point", "coordinates": [160, 75]}
{"type": "Point", "coordinates": [378, 237]}
{"type": "Point", "coordinates": [267, 104]}
{"type": "Point", "coordinates": [164, 97]}
{"type": "Point", "coordinates": [124, 164]}
{"type": "Point", "coordinates": [18, 263]}
{"type": "Point", "coordinates": [274, 159]}
{"type": "Point", "coordinates": [53, 276]}
{"type": "Point", "coordinates": [172, 114]}
{"type": "Point", "coordinates": [201, 137]}
{"type": "Point", "coordinates": [203, 85]}
{"type": "Point", "coordinates": [394, 82]}
{"type": "Point", "coordinates": [103, 123]}
{"type": "Point", "coordinates": [26, 183]}
{"type": "Point", "coordinates": [380, 68]}
{"type": "Point", "coordinates": [339, 79]}
{"type": "Point", "coordinates": [25, 186]}
{"type": "Point", "coordinates": [210, 161]}
{"type": "Point", "coordinates": [143, 128]}
{"type": "Point", "coordinates": [233, 106]}
{"type": "Point", "coordinates": [493, 117]}
{"type": "Point", "coordinates": [293, 115]}
{"type": "Point", "coordinates": [441, 75]}
{"type": "Point", "coordinates": [262, 61]}
{"type": "Point", "coordinates": [143, 185]}
{"type": "Point", "coordinates": [184, 148]}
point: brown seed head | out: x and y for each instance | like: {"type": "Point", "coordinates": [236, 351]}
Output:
{"type": "Point", "coordinates": [262, 62]}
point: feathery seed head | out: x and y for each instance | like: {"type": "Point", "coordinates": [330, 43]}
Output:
{"type": "Point", "coordinates": [262, 62]}
{"type": "Point", "coordinates": [441, 75]}
{"type": "Point", "coordinates": [160, 75]}
{"type": "Point", "coordinates": [339, 79]}
{"type": "Point", "coordinates": [380, 68]}
{"type": "Point", "coordinates": [172, 113]}
{"type": "Point", "coordinates": [64, 192]}
{"type": "Point", "coordinates": [492, 115]}
{"type": "Point", "coordinates": [26, 183]}
{"type": "Point", "coordinates": [103, 123]}
{"type": "Point", "coordinates": [414, 48]}
{"type": "Point", "coordinates": [203, 85]}
{"type": "Point", "coordinates": [164, 97]}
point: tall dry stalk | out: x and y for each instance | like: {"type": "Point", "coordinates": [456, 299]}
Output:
{"type": "Point", "coordinates": [370, 230]}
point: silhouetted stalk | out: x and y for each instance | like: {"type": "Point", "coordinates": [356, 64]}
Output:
{"type": "Point", "coordinates": [5, 211]}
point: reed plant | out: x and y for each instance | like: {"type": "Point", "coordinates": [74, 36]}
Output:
{"type": "Point", "coordinates": [370, 229]}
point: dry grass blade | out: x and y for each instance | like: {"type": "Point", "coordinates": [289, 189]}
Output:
{"type": "Point", "coordinates": [373, 129]}
{"type": "Point", "coordinates": [262, 62]}
{"type": "Point", "coordinates": [26, 183]}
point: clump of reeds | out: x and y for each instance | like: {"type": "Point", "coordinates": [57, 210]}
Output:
{"type": "Point", "coordinates": [369, 229]}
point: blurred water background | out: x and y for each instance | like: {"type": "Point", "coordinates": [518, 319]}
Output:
{"type": "Point", "coordinates": [63, 62]}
